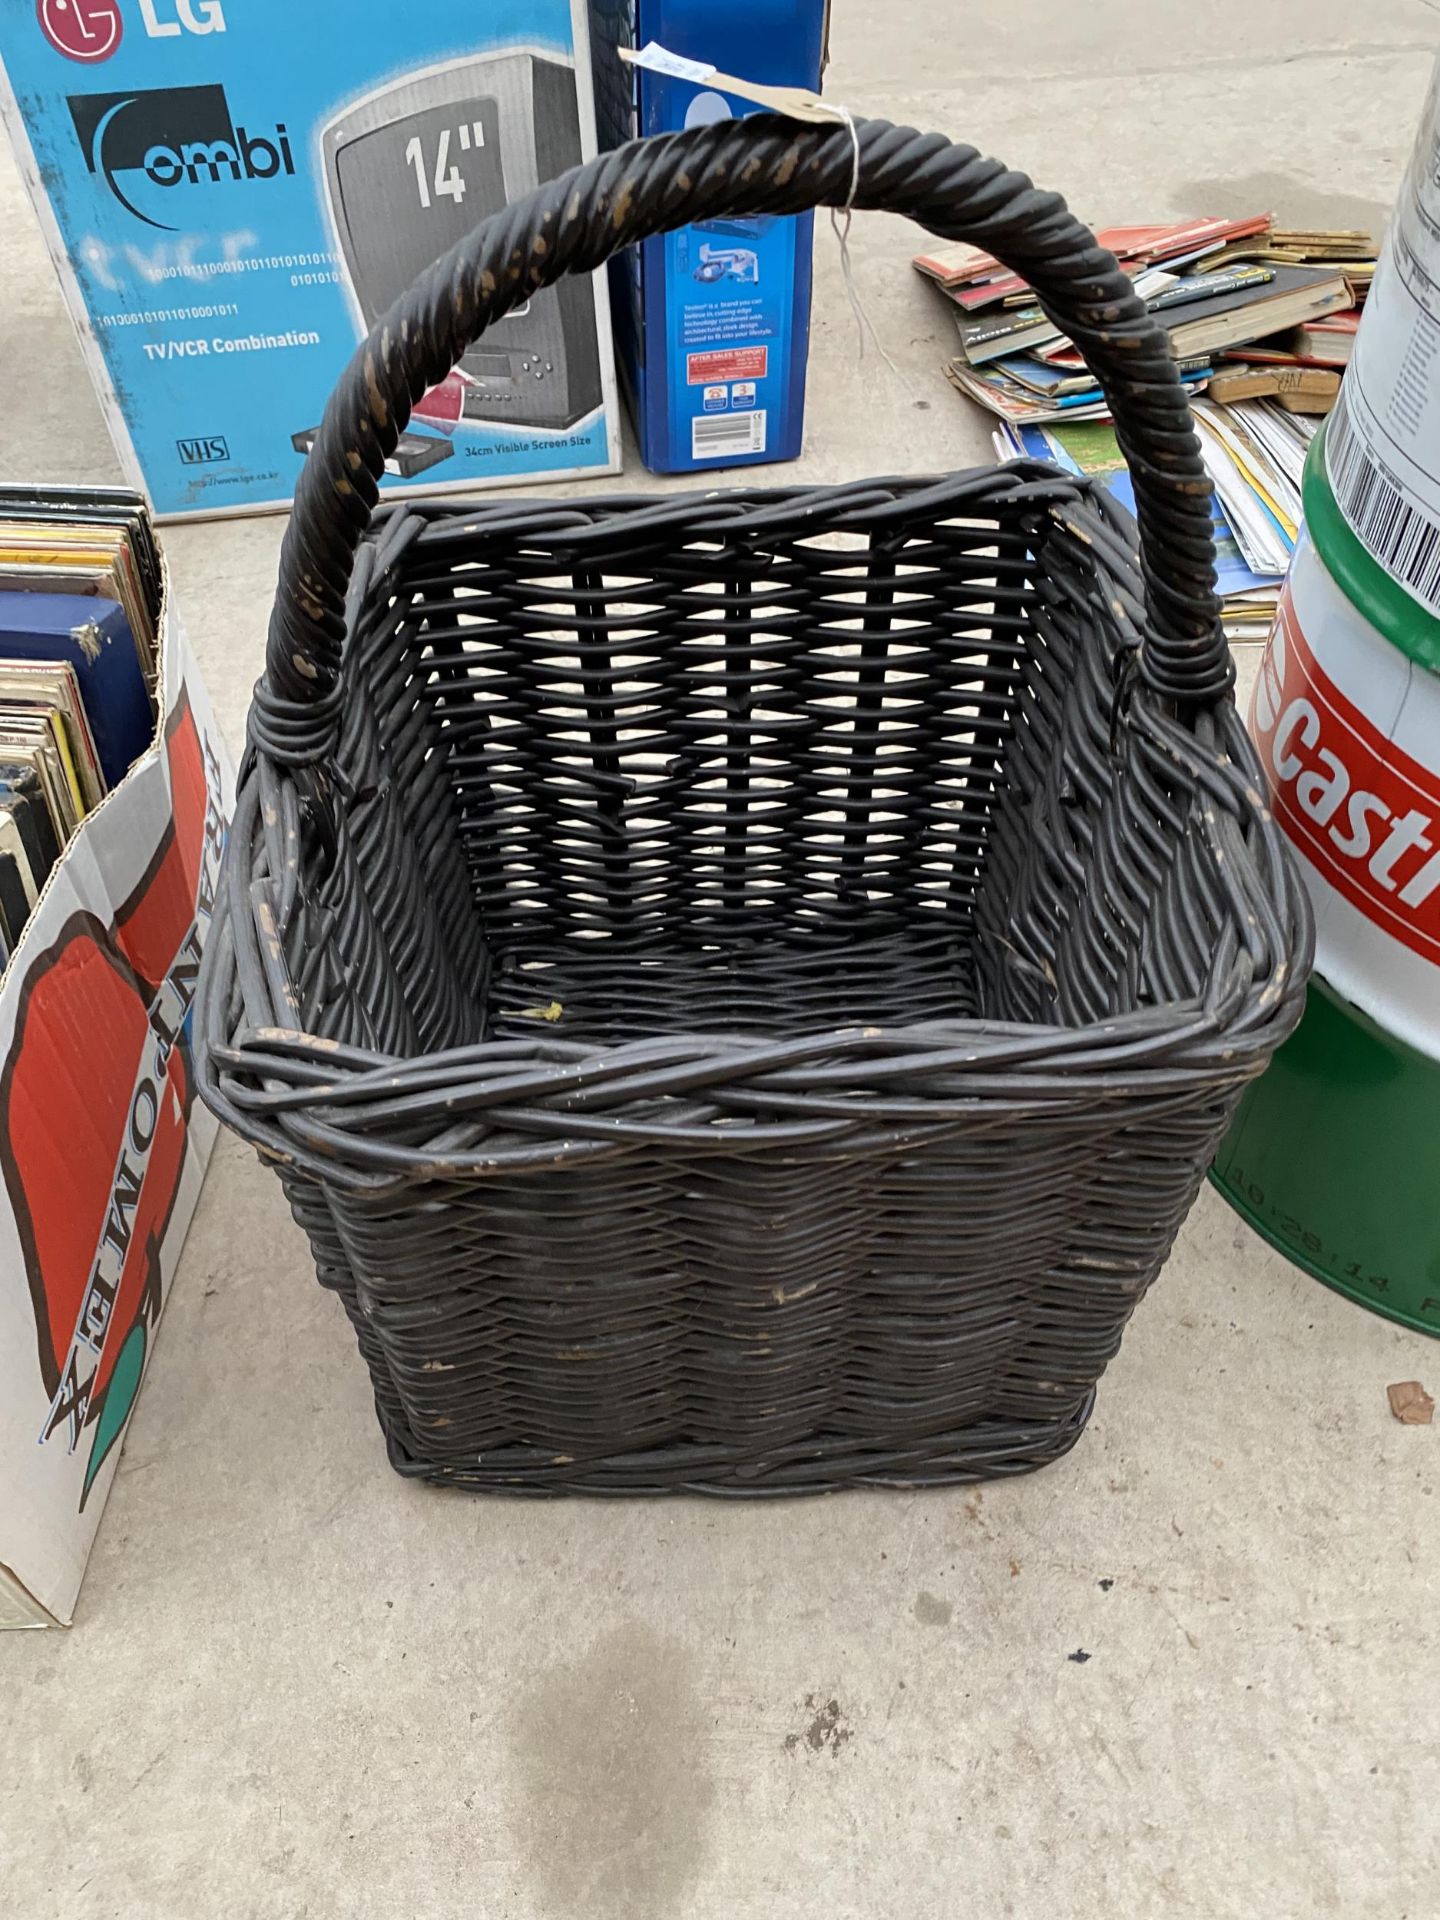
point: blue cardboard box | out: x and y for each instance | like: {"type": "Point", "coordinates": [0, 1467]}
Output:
{"type": "Point", "coordinates": [712, 324]}
{"type": "Point", "coordinates": [234, 190]}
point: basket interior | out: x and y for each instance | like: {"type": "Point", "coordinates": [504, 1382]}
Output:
{"type": "Point", "coordinates": [704, 779]}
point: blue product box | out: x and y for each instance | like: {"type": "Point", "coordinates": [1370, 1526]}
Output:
{"type": "Point", "coordinates": [712, 324]}
{"type": "Point", "coordinates": [233, 191]}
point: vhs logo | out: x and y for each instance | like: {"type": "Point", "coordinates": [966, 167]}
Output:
{"type": "Point", "coordinates": [172, 137]}
{"type": "Point", "coordinates": [206, 452]}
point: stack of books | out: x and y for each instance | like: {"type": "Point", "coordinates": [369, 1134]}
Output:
{"type": "Point", "coordinates": [1269, 312]}
{"type": "Point", "coordinates": [80, 599]}
{"type": "Point", "coordinates": [1260, 320]}
{"type": "Point", "coordinates": [1318, 349]}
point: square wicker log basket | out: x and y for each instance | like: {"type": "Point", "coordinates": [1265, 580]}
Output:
{"type": "Point", "coordinates": [741, 988]}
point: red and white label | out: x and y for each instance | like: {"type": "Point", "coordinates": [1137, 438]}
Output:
{"type": "Point", "coordinates": [726, 363]}
{"type": "Point", "coordinates": [83, 30]}
{"type": "Point", "coordinates": [1364, 814]}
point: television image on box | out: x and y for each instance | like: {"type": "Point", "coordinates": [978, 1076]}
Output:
{"type": "Point", "coordinates": [416, 165]}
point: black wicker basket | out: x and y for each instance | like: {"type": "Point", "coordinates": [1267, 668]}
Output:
{"type": "Point", "coordinates": [741, 988]}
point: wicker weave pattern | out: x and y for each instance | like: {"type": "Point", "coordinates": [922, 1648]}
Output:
{"type": "Point", "coordinates": [741, 989]}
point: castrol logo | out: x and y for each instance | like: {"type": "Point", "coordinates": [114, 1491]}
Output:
{"type": "Point", "coordinates": [1357, 807]}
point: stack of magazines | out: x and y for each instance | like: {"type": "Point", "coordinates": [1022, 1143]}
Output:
{"type": "Point", "coordinates": [1260, 321]}
{"type": "Point", "coordinates": [1253, 452]}
{"type": "Point", "coordinates": [1262, 312]}
{"type": "Point", "coordinates": [80, 607]}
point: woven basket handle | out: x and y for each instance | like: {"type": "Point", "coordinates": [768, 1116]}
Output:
{"type": "Point", "coordinates": [760, 164]}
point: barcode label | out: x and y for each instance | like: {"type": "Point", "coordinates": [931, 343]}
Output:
{"type": "Point", "coordinates": [1394, 529]}
{"type": "Point", "coordinates": [714, 436]}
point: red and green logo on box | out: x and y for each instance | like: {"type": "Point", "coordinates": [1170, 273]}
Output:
{"type": "Point", "coordinates": [1335, 1154]}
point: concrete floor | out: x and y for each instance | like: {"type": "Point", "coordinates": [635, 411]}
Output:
{"type": "Point", "coordinates": [298, 1686]}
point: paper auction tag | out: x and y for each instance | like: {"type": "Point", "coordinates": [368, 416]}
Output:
{"type": "Point", "coordinates": [657, 59]}
{"type": "Point", "coordinates": [796, 103]}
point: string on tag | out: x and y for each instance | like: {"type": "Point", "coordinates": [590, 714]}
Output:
{"type": "Point", "coordinates": [840, 226]}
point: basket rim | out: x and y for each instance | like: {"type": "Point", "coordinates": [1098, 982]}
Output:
{"type": "Point", "coordinates": [840, 505]}
{"type": "Point", "coordinates": [310, 1102]}
{"type": "Point", "coordinates": [519, 1104]}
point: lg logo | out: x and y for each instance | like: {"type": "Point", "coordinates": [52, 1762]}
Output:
{"type": "Point", "coordinates": [91, 30]}
{"type": "Point", "coordinates": [83, 30]}
{"type": "Point", "coordinates": [190, 16]}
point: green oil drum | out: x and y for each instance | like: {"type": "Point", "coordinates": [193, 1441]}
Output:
{"type": "Point", "coordinates": [1334, 1155]}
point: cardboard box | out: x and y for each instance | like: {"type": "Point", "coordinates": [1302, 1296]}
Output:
{"type": "Point", "coordinates": [234, 190]}
{"type": "Point", "coordinates": [712, 323]}
{"type": "Point", "coordinates": [103, 1143]}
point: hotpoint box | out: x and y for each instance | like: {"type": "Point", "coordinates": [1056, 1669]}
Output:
{"type": "Point", "coordinates": [233, 195]}
{"type": "Point", "coordinates": [712, 322]}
